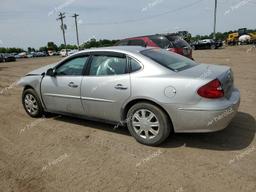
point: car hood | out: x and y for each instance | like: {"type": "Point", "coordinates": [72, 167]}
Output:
{"type": "Point", "coordinates": [41, 70]}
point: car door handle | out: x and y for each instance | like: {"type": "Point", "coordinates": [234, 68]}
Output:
{"type": "Point", "coordinates": [72, 85]}
{"type": "Point", "coordinates": [121, 87]}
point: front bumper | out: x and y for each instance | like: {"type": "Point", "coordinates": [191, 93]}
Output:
{"type": "Point", "coordinates": [210, 119]}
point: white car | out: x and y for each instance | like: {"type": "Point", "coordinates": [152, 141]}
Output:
{"type": "Point", "coordinates": [71, 52]}
{"type": "Point", "coordinates": [23, 55]}
{"type": "Point", "coordinates": [64, 52]}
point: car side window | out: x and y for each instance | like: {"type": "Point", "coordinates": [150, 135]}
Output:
{"type": "Point", "coordinates": [134, 65]}
{"type": "Point", "coordinates": [108, 65]}
{"type": "Point", "coordinates": [73, 67]}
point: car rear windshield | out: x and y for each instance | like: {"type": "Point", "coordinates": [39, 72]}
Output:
{"type": "Point", "coordinates": [178, 42]}
{"type": "Point", "coordinates": [161, 41]}
{"type": "Point", "coordinates": [170, 60]}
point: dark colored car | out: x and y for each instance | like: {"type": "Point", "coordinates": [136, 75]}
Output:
{"type": "Point", "coordinates": [206, 44]}
{"type": "Point", "coordinates": [9, 57]}
{"type": "Point", "coordinates": [168, 42]}
{"type": "Point", "coordinates": [1, 58]}
{"type": "Point", "coordinates": [179, 45]}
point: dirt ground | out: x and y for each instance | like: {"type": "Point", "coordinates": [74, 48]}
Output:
{"type": "Point", "coordinates": [65, 154]}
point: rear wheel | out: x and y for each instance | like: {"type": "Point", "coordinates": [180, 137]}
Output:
{"type": "Point", "coordinates": [148, 124]}
{"type": "Point", "coordinates": [32, 103]}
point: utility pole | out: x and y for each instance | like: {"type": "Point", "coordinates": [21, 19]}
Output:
{"type": "Point", "coordinates": [63, 28]}
{"type": "Point", "coordinates": [215, 19]}
{"type": "Point", "coordinates": [77, 38]}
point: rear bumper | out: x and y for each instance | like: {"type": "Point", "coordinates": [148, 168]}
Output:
{"type": "Point", "coordinates": [198, 119]}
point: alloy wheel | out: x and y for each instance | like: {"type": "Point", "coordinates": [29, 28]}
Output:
{"type": "Point", "coordinates": [31, 104]}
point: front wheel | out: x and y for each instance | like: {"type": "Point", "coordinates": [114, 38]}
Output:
{"type": "Point", "coordinates": [148, 124]}
{"type": "Point", "coordinates": [213, 47]}
{"type": "Point", "coordinates": [32, 103]}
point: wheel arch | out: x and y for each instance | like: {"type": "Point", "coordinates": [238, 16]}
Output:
{"type": "Point", "coordinates": [140, 100]}
{"type": "Point", "coordinates": [28, 87]}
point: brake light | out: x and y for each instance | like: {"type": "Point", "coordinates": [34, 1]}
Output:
{"type": "Point", "coordinates": [211, 90]}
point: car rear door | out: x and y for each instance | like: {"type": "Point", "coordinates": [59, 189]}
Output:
{"type": "Point", "coordinates": [62, 92]}
{"type": "Point", "coordinates": [106, 86]}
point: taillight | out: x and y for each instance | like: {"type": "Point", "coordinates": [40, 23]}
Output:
{"type": "Point", "coordinates": [211, 90]}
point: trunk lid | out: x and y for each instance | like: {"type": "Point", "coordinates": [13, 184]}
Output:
{"type": "Point", "coordinates": [204, 73]}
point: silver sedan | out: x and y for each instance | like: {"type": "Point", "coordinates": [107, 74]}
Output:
{"type": "Point", "coordinates": [152, 91]}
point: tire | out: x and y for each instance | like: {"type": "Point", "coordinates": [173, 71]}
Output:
{"type": "Point", "coordinates": [140, 128]}
{"type": "Point", "coordinates": [213, 47]}
{"type": "Point", "coordinates": [32, 103]}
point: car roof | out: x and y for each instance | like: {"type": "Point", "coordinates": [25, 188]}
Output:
{"type": "Point", "coordinates": [124, 49]}
{"type": "Point", "coordinates": [156, 35]}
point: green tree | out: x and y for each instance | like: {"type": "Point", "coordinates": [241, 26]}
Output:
{"type": "Point", "coordinates": [52, 46]}
{"type": "Point", "coordinates": [29, 49]}
{"type": "Point", "coordinates": [43, 49]}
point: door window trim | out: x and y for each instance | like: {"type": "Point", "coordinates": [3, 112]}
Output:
{"type": "Point", "coordinates": [130, 66]}
{"type": "Point", "coordinates": [106, 53]}
{"type": "Point", "coordinates": [71, 58]}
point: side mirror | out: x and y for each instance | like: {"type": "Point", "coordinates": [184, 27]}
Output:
{"type": "Point", "coordinates": [50, 72]}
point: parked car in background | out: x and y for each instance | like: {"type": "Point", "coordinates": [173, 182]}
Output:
{"type": "Point", "coordinates": [50, 53]}
{"type": "Point", "coordinates": [6, 57]}
{"type": "Point", "coordinates": [71, 52]}
{"type": "Point", "coordinates": [1, 58]}
{"type": "Point", "coordinates": [23, 55]}
{"type": "Point", "coordinates": [152, 90]}
{"type": "Point", "coordinates": [168, 42]}
{"type": "Point", "coordinates": [30, 55]}
{"type": "Point", "coordinates": [206, 44]}
{"type": "Point", "coordinates": [17, 56]}
{"type": "Point", "coordinates": [42, 54]}
{"type": "Point", "coordinates": [64, 52]}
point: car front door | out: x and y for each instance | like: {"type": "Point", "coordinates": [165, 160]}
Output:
{"type": "Point", "coordinates": [62, 91]}
{"type": "Point", "coordinates": [106, 86]}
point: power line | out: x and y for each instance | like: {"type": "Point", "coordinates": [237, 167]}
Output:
{"type": "Point", "coordinates": [77, 38]}
{"type": "Point", "coordinates": [63, 27]}
{"type": "Point", "coordinates": [146, 18]}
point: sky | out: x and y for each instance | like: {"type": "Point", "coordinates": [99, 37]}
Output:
{"type": "Point", "coordinates": [32, 23]}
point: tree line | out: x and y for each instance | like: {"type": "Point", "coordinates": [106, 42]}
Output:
{"type": "Point", "coordinates": [103, 43]}
{"type": "Point", "coordinates": [219, 36]}
{"type": "Point", "coordinates": [53, 47]}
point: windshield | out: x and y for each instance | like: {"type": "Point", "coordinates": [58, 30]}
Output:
{"type": "Point", "coordinates": [170, 60]}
